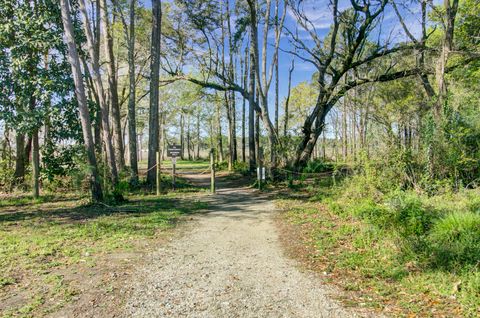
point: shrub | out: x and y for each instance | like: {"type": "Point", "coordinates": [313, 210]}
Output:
{"type": "Point", "coordinates": [360, 187]}
{"type": "Point", "coordinates": [374, 213]}
{"type": "Point", "coordinates": [455, 239]}
{"type": "Point", "coordinates": [411, 218]}
{"type": "Point", "coordinates": [221, 165]}
{"type": "Point", "coordinates": [317, 166]}
{"type": "Point", "coordinates": [120, 189]}
{"type": "Point", "coordinates": [6, 175]}
{"type": "Point", "coordinates": [473, 203]}
{"type": "Point", "coordinates": [241, 167]}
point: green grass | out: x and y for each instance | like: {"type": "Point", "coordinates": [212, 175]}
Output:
{"type": "Point", "coordinates": [388, 250]}
{"type": "Point", "coordinates": [186, 165]}
{"type": "Point", "coordinates": [21, 199]}
{"type": "Point", "coordinates": [41, 238]}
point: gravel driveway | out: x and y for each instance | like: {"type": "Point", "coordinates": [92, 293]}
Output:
{"type": "Point", "coordinates": [229, 263]}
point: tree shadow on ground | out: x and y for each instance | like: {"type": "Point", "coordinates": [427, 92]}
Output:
{"type": "Point", "coordinates": [82, 213]}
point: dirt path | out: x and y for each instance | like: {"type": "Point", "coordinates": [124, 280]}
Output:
{"type": "Point", "coordinates": [229, 264]}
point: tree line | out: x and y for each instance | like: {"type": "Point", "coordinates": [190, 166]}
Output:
{"type": "Point", "coordinates": [82, 80]}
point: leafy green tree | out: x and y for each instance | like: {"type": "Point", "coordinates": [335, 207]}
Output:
{"type": "Point", "coordinates": [36, 83]}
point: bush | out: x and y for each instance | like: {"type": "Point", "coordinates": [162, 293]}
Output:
{"type": "Point", "coordinates": [455, 239]}
{"type": "Point", "coordinates": [411, 218]}
{"type": "Point", "coordinates": [120, 189]}
{"type": "Point", "coordinates": [221, 165]}
{"type": "Point", "coordinates": [318, 166]}
{"type": "Point", "coordinates": [360, 187]}
{"type": "Point", "coordinates": [6, 175]}
{"type": "Point", "coordinates": [374, 213]}
{"type": "Point", "coordinates": [473, 203]}
{"type": "Point", "coordinates": [241, 167]}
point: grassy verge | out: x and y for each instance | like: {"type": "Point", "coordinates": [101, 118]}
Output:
{"type": "Point", "coordinates": [186, 165]}
{"type": "Point", "coordinates": [402, 253]}
{"type": "Point", "coordinates": [43, 244]}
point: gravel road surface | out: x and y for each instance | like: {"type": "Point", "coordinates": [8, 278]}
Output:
{"type": "Point", "coordinates": [229, 263]}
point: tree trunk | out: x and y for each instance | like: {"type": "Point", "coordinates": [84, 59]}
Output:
{"type": "Point", "coordinates": [234, 126]}
{"type": "Point", "coordinates": [232, 104]}
{"type": "Point", "coordinates": [353, 130]}
{"type": "Point", "coordinates": [257, 135]}
{"type": "Point", "coordinates": [35, 164]}
{"type": "Point", "coordinates": [82, 101]}
{"type": "Point", "coordinates": [230, 129]}
{"type": "Point", "coordinates": [344, 129]}
{"type": "Point", "coordinates": [132, 121]}
{"type": "Point", "coordinates": [163, 145]}
{"type": "Point", "coordinates": [287, 100]}
{"type": "Point", "coordinates": [92, 95]}
{"type": "Point", "coordinates": [324, 146]}
{"type": "Point", "coordinates": [252, 161]}
{"type": "Point", "coordinates": [226, 94]}
{"type": "Point", "coordinates": [112, 84]}
{"type": "Point", "coordinates": [101, 94]}
{"type": "Point", "coordinates": [335, 142]}
{"type": "Point", "coordinates": [245, 72]}
{"type": "Point", "coordinates": [28, 150]}
{"type": "Point", "coordinates": [264, 80]}
{"type": "Point", "coordinates": [219, 134]}
{"type": "Point", "coordinates": [189, 139]}
{"type": "Point", "coordinates": [447, 46]}
{"type": "Point", "coordinates": [212, 133]}
{"type": "Point", "coordinates": [140, 157]}
{"type": "Point", "coordinates": [153, 124]}
{"type": "Point", "coordinates": [20, 159]}
{"type": "Point", "coordinates": [197, 157]}
{"type": "Point", "coordinates": [182, 136]}
{"type": "Point", "coordinates": [438, 108]}
{"type": "Point", "coordinates": [277, 31]}
{"type": "Point", "coordinates": [35, 154]}
{"type": "Point", "coordinates": [310, 136]}
{"type": "Point", "coordinates": [96, 28]}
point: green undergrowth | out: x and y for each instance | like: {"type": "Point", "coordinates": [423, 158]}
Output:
{"type": "Point", "coordinates": [403, 252]}
{"type": "Point", "coordinates": [39, 240]}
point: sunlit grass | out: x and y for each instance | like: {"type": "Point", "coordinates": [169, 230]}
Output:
{"type": "Point", "coordinates": [185, 165]}
{"type": "Point", "coordinates": [369, 260]}
{"type": "Point", "coordinates": [38, 238]}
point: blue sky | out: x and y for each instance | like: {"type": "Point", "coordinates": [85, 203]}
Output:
{"type": "Point", "coordinates": [319, 12]}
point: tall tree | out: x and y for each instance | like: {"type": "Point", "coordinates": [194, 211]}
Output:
{"type": "Point", "coordinates": [287, 99]}
{"type": "Point", "coordinates": [342, 52]}
{"type": "Point", "coordinates": [232, 102]}
{"type": "Point", "coordinates": [153, 121]}
{"type": "Point", "coordinates": [132, 118]}
{"type": "Point", "coordinates": [112, 87]}
{"type": "Point", "coordinates": [451, 8]}
{"type": "Point", "coordinates": [252, 158]}
{"type": "Point", "coordinates": [245, 65]}
{"type": "Point", "coordinates": [97, 79]}
{"type": "Point", "coordinates": [219, 132]}
{"type": "Point", "coordinates": [20, 157]}
{"type": "Point", "coordinates": [74, 60]}
{"type": "Point", "coordinates": [226, 76]}
{"type": "Point", "coordinates": [277, 35]}
{"type": "Point", "coordinates": [264, 77]}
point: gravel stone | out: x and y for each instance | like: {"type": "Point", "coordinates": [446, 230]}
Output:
{"type": "Point", "coordinates": [229, 263]}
